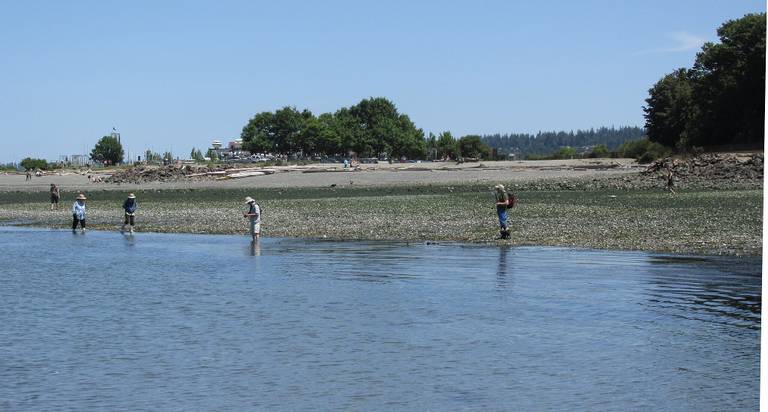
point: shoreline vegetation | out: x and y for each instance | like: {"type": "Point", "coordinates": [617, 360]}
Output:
{"type": "Point", "coordinates": [623, 211]}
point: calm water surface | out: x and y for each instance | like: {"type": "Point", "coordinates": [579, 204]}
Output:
{"type": "Point", "coordinates": [187, 322]}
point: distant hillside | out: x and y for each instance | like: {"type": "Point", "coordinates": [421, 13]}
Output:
{"type": "Point", "coordinates": [543, 143]}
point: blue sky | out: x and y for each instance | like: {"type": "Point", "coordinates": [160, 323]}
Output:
{"type": "Point", "coordinates": [175, 75]}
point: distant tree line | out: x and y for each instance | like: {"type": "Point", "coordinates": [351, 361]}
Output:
{"type": "Point", "coordinates": [721, 99]}
{"type": "Point", "coordinates": [544, 144]}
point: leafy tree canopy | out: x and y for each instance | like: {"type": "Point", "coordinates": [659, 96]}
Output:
{"type": "Point", "coordinates": [721, 99]}
{"type": "Point", "coordinates": [32, 164]}
{"type": "Point", "coordinates": [108, 150]}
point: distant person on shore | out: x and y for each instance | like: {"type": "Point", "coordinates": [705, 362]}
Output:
{"type": "Point", "coordinates": [29, 176]}
{"type": "Point", "coordinates": [502, 200]}
{"type": "Point", "coordinates": [78, 213]}
{"type": "Point", "coordinates": [55, 196]}
{"type": "Point", "coordinates": [130, 207]}
{"type": "Point", "coordinates": [254, 215]}
{"type": "Point", "coordinates": [671, 177]}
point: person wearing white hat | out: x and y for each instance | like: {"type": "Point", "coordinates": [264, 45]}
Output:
{"type": "Point", "coordinates": [502, 201]}
{"type": "Point", "coordinates": [130, 207]}
{"type": "Point", "coordinates": [78, 212]}
{"type": "Point", "coordinates": [254, 215]}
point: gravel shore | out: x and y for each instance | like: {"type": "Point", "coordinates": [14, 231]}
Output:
{"type": "Point", "coordinates": [627, 211]}
{"type": "Point", "coordinates": [592, 203]}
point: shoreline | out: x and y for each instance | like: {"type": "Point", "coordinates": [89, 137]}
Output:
{"type": "Point", "coordinates": [246, 240]}
{"type": "Point", "coordinates": [626, 212]}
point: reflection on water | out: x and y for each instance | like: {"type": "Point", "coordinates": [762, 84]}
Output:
{"type": "Point", "coordinates": [187, 322]}
{"type": "Point", "coordinates": [501, 272]}
{"type": "Point", "coordinates": [255, 247]}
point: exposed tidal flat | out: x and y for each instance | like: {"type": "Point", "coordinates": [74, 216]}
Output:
{"type": "Point", "coordinates": [612, 212]}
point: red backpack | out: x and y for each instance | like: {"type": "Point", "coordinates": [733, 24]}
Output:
{"type": "Point", "coordinates": [511, 200]}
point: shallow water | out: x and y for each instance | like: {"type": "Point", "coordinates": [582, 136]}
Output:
{"type": "Point", "coordinates": [190, 322]}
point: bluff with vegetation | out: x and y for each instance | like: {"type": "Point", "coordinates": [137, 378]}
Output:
{"type": "Point", "coordinates": [720, 101]}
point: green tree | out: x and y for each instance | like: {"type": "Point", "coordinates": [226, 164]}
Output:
{"type": "Point", "coordinates": [730, 87]}
{"type": "Point", "coordinates": [196, 155]}
{"type": "Point", "coordinates": [328, 139]}
{"type": "Point", "coordinates": [600, 151]}
{"type": "Point", "coordinates": [382, 130]}
{"type": "Point", "coordinates": [211, 154]}
{"type": "Point", "coordinates": [721, 100]}
{"type": "Point", "coordinates": [258, 134]}
{"type": "Point", "coordinates": [669, 108]}
{"type": "Point", "coordinates": [108, 150]}
{"type": "Point", "coordinates": [288, 123]}
{"type": "Point", "coordinates": [472, 146]}
{"type": "Point", "coordinates": [447, 146]}
{"type": "Point", "coordinates": [29, 163]}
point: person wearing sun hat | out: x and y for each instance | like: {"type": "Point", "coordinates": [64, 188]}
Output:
{"type": "Point", "coordinates": [130, 207]}
{"type": "Point", "coordinates": [78, 212]}
{"type": "Point", "coordinates": [254, 214]}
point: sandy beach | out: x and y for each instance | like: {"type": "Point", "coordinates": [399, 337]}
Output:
{"type": "Point", "coordinates": [320, 175]}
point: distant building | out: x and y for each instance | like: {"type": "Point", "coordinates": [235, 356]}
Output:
{"type": "Point", "coordinates": [233, 150]}
{"type": "Point", "coordinates": [75, 160]}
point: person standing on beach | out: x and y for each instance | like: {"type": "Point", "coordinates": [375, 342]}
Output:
{"type": "Point", "coordinates": [502, 201]}
{"type": "Point", "coordinates": [130, 207]}
{"type": "Point", "coordinates": [78, 213]}
{"type": "Point", "coordinates": [254, 214]}
{"type": "Point", "coordinates": [55, 196]}
{"type": "Point", "coordinates": [29, 176]}
{"type": "Point", "coordinates": [671, 177]}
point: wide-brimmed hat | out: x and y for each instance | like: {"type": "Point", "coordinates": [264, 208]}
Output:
{"type": "Point", "coordinates": [499, 187]}
{"type": "Point", "coordinates": [81, 197]}
{"type": "Point", "coordinates": [131, 196]}
{"type": "Point", "coordinates": [249, 199]}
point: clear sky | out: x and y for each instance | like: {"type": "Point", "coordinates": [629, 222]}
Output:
{"type": "Point", "coordinates": [175, 75]}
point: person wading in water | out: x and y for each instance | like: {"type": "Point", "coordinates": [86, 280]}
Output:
{"type": "Point", "coordinates": [78, 213]}
{"type": "Point", "coordinates": [254, 215]}
{"type": "Point", "coordinates": [130, 207]}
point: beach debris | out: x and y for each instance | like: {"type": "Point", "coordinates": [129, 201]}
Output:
{"type": "Point", "coordinates": [171, 173]}
{"type": "Point", "coordinates": [708, 167]}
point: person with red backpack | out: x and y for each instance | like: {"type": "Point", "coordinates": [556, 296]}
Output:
{"type": "Point", "coordinates": [503, 201]}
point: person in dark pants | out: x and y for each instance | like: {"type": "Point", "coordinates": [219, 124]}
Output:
{"type": "Point", "coordinates": [502, 199]}
{"type": "Point", "coordinates": [78, 213]}
{"type": "Point", "coordinates": [671, 177]}
{"type": "Point", "coordinates": [55, 195]}
{"type": "Point", "coordinates": [130, 207]}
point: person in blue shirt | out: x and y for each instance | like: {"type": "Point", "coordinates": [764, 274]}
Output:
{"type": "Point", "coordinates": [78, 213]}
{"type": "Point", "coordinates": [130, 207]}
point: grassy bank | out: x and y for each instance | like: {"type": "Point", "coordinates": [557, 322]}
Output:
{"type": "Point", "coordinates": [561, 213]}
